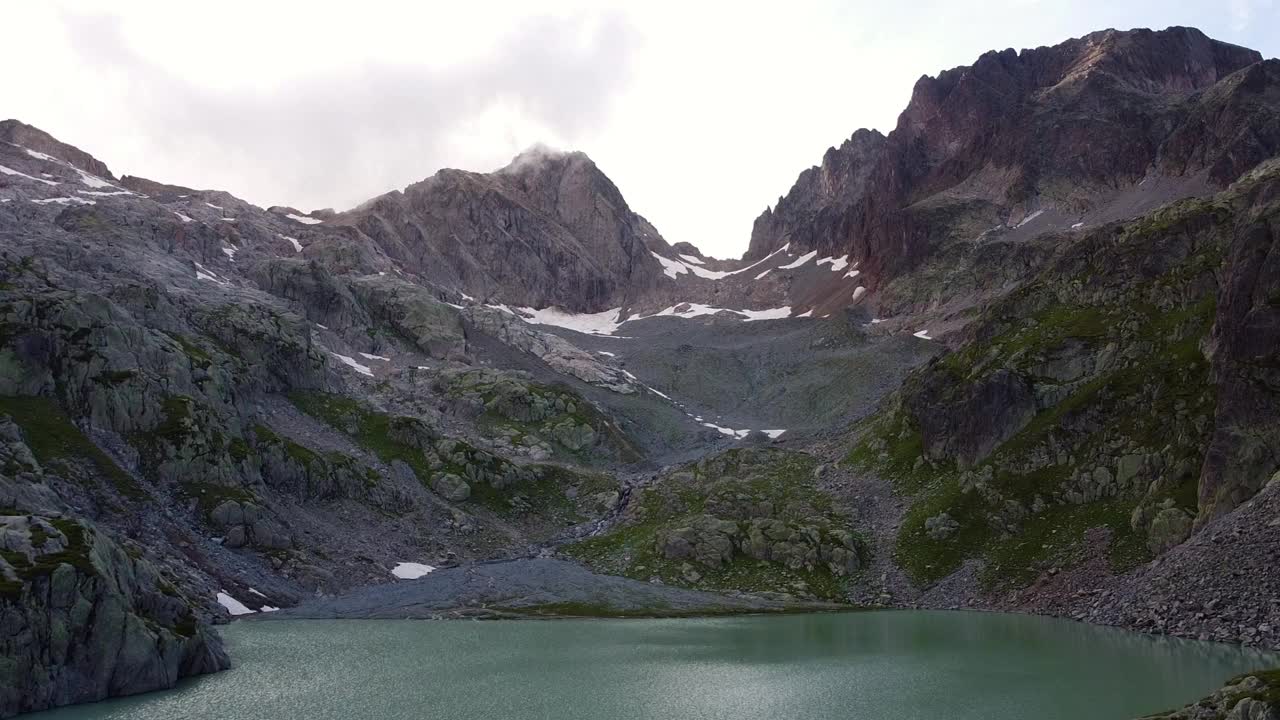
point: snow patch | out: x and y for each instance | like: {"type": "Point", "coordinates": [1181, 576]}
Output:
{"type": "Point", "coordinates": [65, 201]}
{"type": "Point", "coordinates": [605, 353]}
{"type": "Point", "coordinates": [411, 570]}
{"type": "Point", "coordinates": [11, 171]}
{"type": "Point", "coordinates": [1077, 226]}
{"type": "Point", "coordinates": [774, 434]}
{"type": "Point", "coordinates": [675, 268]}
{"type": "Point", "coordinates": [204, 274]}
{"type": "Point", "coordinates": [255, 592]}
{"type": "Point", "coordinates": [922, 334]}
{"type": "Point", "coordinates": [691, 259]}
{"type": "Point", "coordinates": [806, 313]}
{"type": "Point", "coordinates": [601, 323]}
{"type": "Point", "coordinates": [233, 606]}
{"type": "Point", "coordinates": [230, 252]}
{"type": "Point", "coordinates": [659, 393]}
{"type": "Point", "coordinates": [770, 314]}
{"type": "Point", "coordinates": [40, 155]}
{"type": "Point", "coordinates": [858, 292]}
{"type": "Point", "coordinates": [799, 261]}
{"type": "Point", "coordinates": [181, 217]}
{"type": "Point", "coordinates": [766, 272]}
{"type": "Point", "coordinates": [94, 181]}
{"type": "Point", "coordinates": [367, 356]}
{"type": "Point", "coordinates": [297, 246]}
{"type": "Point", "coordinates": [739, 434]}
{"type": "Point", "coordinates": [100, 193]}
{"type": "Point", "coordinates": [837, 263]}
{"type": "Point", "coordinates": [215, 207]}
{"type": "Point", "coordinates": [351, 362]}
{"type": "Point", "coordinates": [1029, 218]}
{"type": "Point", "coordinates": [671, 268]}
{"type": "Point", "coordinates": [303, 219]}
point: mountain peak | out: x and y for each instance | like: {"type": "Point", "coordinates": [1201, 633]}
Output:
{"type": "Point", "coordinates": [540, 156]}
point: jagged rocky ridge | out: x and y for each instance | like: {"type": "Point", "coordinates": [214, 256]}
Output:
{"type": "Point", "coordinates": [297, 402]}
{"type": "Point", "coordinates": [1093, 129]}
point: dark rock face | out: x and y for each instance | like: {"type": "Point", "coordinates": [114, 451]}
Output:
{"type": "Point", "coordinates": [1063, 127]}
{"type": "Point", "coordinates": [811, 213]}
{"type": "Point", "coordinates": [548, 229]}
{"type": "Point", "coordinates": [965, 422]}
{"type": "Point", "coordinates": [1245, 352]}
{"type": "Point", "coordinates": [1133, 377]}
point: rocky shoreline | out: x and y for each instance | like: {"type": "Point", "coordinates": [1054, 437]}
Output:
{"type": "Point", "coordinates": [532, 588]}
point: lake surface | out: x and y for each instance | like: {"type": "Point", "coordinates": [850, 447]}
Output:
{"type": "Point", "coordinates": [866, 666]}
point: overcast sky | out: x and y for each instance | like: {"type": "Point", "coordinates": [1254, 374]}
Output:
{"type": "Point", "coordinates": [703, 114]}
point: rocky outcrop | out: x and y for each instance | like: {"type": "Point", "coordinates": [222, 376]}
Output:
{"type": "Point", "coordinates": [415, 313]}
{"type": "Point", "coordinates": [714, 543]}
{"type": "Point", "coordinates": [81, 620]}
{"type": "Point", "coordinates": [558, 353]}
{"type": "Point", "coordinates": [746, 519]}
{"type": "Point", "coordinates": [534, 419]}
{"type": "Point", "coordinates": [1252, 696]}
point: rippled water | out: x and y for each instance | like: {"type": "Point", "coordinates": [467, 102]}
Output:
{"type": "Point", "coordinates": [899, 665]}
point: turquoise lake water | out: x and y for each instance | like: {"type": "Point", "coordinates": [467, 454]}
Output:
{"type": "Point", "coordinates": [899, 665]}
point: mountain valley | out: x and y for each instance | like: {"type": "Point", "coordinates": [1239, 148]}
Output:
{"type": "Point", "coordinates": [1021, 353]}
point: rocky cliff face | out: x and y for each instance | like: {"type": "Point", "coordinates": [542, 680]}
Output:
{"type": "Point", "coordinates": [83, 618]}
{"type": "Point", "coordinates": [811, 213]}
{"type": "Point", "coordinates": [1097, 417]}
{"type": "Point", "coordinates": [1070, 132]}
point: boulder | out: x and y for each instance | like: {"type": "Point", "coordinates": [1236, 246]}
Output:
{"type": "Point", "coordinates": [451, 487]}
{"type": "Point", "coordinates": [1169, 528]}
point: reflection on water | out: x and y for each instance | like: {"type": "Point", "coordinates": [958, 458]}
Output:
{"type": "Point", "coordinates": [893, 664]}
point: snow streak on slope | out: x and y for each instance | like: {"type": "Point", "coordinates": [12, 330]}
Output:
{"type": "Point", "coordinates": [799, 261]}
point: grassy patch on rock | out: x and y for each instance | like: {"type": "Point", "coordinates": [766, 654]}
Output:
{"type": "Point", "coordinates": [54, 439]}
{"type": "Point", "coordinates": [495, 483]}
{"type": "Point", "coordinates": [747, 519]}
{"type": "Point", "coordinates": [1122, 403]}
